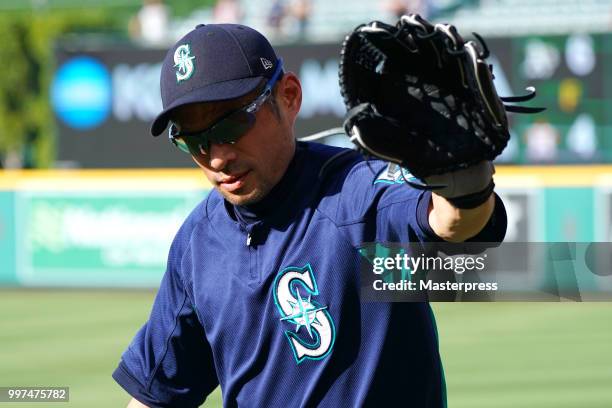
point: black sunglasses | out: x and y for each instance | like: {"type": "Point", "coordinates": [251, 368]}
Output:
{"type": "Point", "coordinates": [229, 128]}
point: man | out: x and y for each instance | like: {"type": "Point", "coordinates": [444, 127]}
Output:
{"type": "Point", "coordinates": [262, 290]}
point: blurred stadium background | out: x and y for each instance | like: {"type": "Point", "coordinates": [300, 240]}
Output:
{"type": "Point", "coordinates": [89, 202]}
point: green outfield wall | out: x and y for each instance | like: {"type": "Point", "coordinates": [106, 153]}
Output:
{"type": "Point", "coordinates": [113, 228]}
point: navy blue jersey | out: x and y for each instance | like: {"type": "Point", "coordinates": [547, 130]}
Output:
{"type": "Point", "coordinates": [265, 300]}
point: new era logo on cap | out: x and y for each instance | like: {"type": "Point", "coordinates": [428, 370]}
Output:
{"type": "Point", "coordinates": [266, 63]}
{"type": "Point", "coordinates": [213, 62]}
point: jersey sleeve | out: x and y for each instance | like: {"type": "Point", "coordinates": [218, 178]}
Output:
{"type": "Point", "coordinates": [169, 362]}
{"type": "Point", "coordinates": [376, 205]}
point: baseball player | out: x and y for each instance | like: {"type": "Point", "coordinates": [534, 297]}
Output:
{"type": "Point", "coordinates": [262, 289]}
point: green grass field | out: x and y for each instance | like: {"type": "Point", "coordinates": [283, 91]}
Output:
{"type": "Point", "coordinates": [495, 354]}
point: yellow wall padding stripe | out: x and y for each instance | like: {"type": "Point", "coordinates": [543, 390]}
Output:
{"type": "Point", "coordinates": [146, 179]}
{"type": "Point", "coordinates": [553, 176]}
{"type": "Point", "coordinates": [187, 179]}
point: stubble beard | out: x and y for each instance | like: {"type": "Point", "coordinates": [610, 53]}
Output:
{"type": "Point", "coordinates": [252, 197]}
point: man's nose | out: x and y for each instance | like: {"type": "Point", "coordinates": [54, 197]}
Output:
{"type": "Point", "coordinates": [221, 154]}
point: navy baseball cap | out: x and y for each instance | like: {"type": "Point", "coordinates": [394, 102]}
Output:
{"type": "Point", "coordinates": [214, 62]}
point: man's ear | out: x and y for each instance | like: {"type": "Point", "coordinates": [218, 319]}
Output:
{"type": "Point", "coordinates": [289, 95]}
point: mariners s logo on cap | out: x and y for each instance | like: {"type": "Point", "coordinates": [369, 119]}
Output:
{"type": "Point", "coordinates": [183, 62]}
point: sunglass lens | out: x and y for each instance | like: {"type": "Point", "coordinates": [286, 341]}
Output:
{"type": "Point", "coordinates": [196, 145]}
{"type": "Point", "coordinates": [181, 144]}
{"type": "Point", "coordinates": [228, 130]}
{"type": "Point", "coordinates": [233, 127]}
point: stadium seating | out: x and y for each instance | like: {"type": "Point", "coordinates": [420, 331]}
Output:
{"type": "Point", "coordinates": [519, 17]}
{"type": "Point", "coordinates": [331, 20]}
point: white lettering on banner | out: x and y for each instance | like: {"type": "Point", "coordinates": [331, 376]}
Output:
{"type": "Point", "coordinates": [121, 235]}
{"type": "Point", "coordinates": [320, 88]}
{"type": "Point", "coordinates": [136, 93]}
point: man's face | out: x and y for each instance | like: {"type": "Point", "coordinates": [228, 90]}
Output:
{"type": "Point", "coordinates": [244, 172]}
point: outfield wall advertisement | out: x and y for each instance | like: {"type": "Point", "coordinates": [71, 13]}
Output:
{"type": "Point", "coordinates": [89, 239]}
{"type": "Point", "coordinates": [114, 228]}
{"type": "Point", "coordinates": [108, 229]}
{"type": "Point", "coordinates": [105, 97]}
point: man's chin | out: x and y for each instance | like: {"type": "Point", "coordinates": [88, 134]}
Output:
{"type": "Point", "coordinates": [247, 198]}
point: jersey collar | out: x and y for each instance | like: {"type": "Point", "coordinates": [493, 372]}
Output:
{"type": "Point", "coordinates": [281, 200]}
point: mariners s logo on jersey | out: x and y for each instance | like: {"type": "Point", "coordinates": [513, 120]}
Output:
{"type": "Point", "coordinates": [183, 62]}
{"type": "Point", "coordinates": [312, 333]}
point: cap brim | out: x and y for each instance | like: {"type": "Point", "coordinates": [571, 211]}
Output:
{"type": "Point", "coordinates": [211, 93]}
